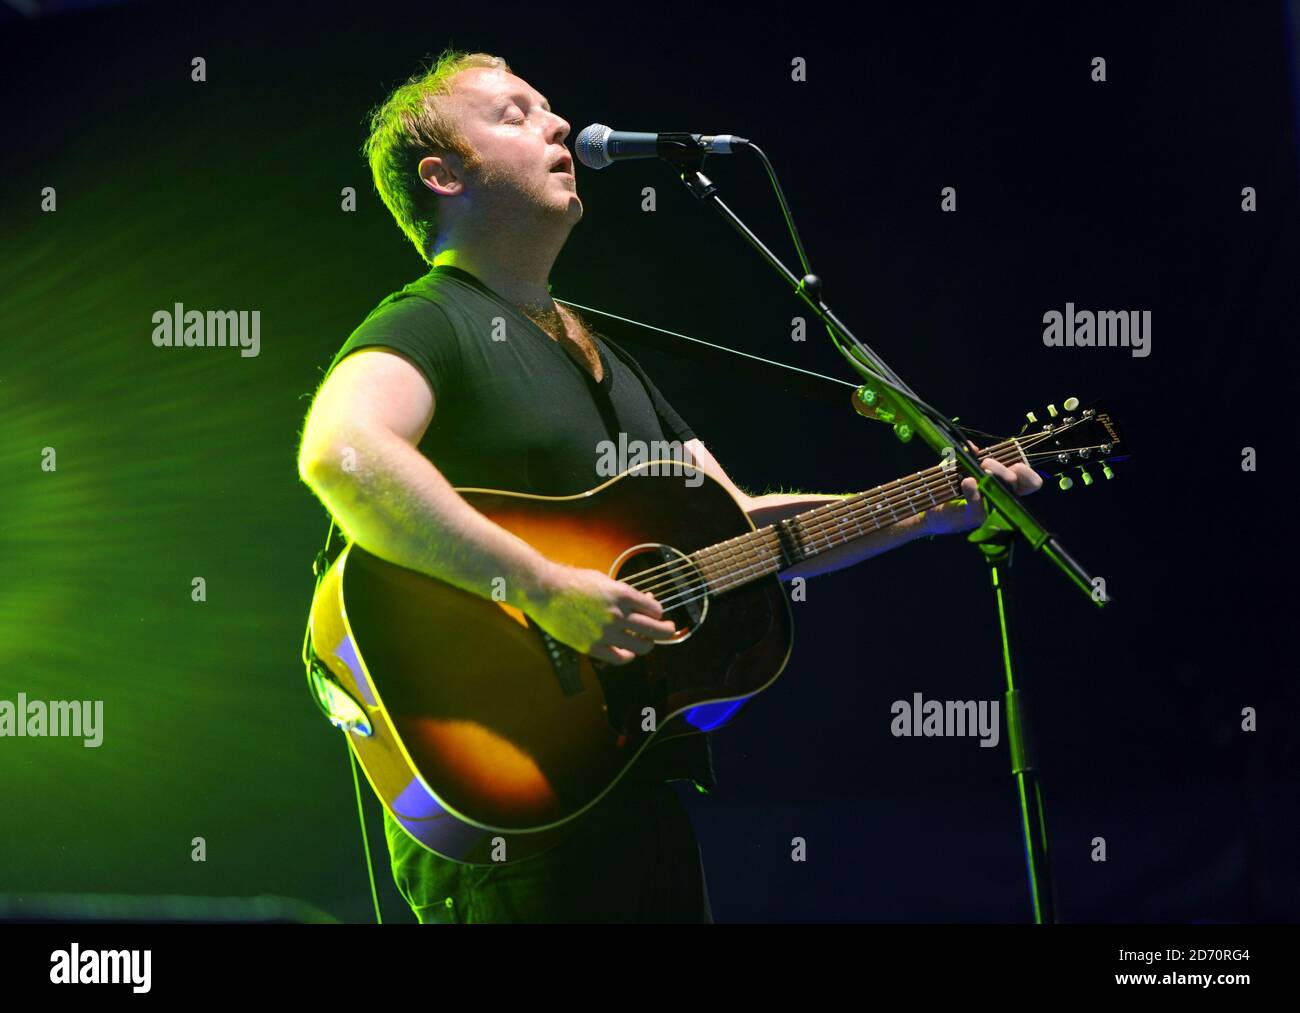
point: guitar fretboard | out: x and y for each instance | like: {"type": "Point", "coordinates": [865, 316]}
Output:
{"type": "Point", "coordinates": [778, 546]}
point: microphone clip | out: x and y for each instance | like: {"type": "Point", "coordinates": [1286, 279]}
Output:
{"type": "Point", "coordinates": [682, 149]}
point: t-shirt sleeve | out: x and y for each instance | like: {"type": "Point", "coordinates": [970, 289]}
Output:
{"type": "Point", "coordinates": [674, 425]}
{"type": "Point", "coordinates": [417, 329]}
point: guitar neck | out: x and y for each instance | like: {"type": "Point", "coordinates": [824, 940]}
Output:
{"type": "Point", "coordinates": [778, 546]}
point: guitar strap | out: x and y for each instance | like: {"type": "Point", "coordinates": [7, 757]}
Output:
{"type": "Point", "coordinates": [319, 678]}
{"type": "Point", "coordinates": [339, 709]}
{"type": "Point", "coordinates": [804, 382]}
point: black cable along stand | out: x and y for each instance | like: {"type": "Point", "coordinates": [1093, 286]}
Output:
{"type": "Point", "coordinates": [893, 401]}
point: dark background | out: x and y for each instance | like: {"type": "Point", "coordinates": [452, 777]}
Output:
{"type": "Point", "coordinates": [1117, 195]}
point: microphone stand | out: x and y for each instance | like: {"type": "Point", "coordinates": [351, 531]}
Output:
{"type": "Point", "coordinates": [894, 401]}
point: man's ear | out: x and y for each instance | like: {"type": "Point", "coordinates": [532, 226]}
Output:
{"type": "Point", "coordinates": [440, 176]}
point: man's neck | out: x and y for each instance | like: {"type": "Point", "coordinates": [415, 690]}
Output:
{"type": "Point", "coordinates": [519, 275]}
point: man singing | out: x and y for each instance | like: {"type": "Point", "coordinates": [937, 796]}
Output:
{"type": "Point", "coordinates": [473, 376]}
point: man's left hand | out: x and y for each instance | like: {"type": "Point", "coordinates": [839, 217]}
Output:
{"type": "Point", "coordinates": [960, 515]}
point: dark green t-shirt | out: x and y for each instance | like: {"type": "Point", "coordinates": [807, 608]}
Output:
{"type": "Point", "coordinates": [514, 412]}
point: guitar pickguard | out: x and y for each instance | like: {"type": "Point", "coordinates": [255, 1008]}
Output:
{"type": "Point", "coordinates": [564, 661]}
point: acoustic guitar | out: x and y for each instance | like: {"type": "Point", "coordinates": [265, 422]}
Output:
{"type": "Point", "coordinates": [486, 739]}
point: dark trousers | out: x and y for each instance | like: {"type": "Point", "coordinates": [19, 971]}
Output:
{"type": "Point", "coordinates": [633, 858]}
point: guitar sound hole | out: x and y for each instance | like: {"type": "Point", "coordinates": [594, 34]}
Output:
{"type": "Point", "coordinates": [672, 578]}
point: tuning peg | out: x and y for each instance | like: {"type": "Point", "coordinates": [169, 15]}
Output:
{"type": "Point", "coordinates": [1051, 410]}
{"type": "Point", "coordinates": [1066, 482]}
{"type": "Point", "coordinates": [1071, 403]}
{"type": "Point", "coordinates": [1030, 417]}
{"type": "Point", "coordinates": [1087, 478]}
{"type": "Point", "coordinates": [1105, 470]}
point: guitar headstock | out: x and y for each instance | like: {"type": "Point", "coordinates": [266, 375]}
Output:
{"type": "Point", "coordinates": [1067, 441]}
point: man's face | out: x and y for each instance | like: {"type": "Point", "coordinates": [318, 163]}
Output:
{"type": "Point", "coordinates": [522, 160]}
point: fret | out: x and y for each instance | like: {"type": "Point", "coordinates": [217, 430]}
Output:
{"type": "Point", "coordinates": [816, 518]}
{"type": "Point", "coordinates": [843, 523]}
{"type": "Point", "coordinates": [930, 492]}
{"type": "Point", "coordinates": [825, 537]}
{"type": "Point", "coordinates": [841, 518]}
{"type": "Point", "coordinates": [907, 492]}
{"type": "Point", "coordinates": [739, 560]}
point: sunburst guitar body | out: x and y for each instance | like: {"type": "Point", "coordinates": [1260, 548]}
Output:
{"type": "Point", "coordinates": [480, 731]}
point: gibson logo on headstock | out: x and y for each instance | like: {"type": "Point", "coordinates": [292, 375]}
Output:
{"type": "Point", "coordinates": [1104, 419]}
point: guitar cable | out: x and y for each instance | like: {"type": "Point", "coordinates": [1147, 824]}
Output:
{"type": "Point", "coordinates": [316, 670]}
{"type": "Point", "coordinates": [365, 836]}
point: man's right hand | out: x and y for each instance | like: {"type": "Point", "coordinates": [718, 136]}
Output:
{"type": "Point", "coordinates": [595, 615]}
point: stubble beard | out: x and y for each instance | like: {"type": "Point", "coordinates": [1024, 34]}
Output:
{"type": "Point", "coordinates": [512, 203]}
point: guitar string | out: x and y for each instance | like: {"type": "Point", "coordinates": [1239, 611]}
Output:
{"type": "Point", "coordinates": [754, 564]}
{"type": "Point", "coordinates": [727, 580]}
{"type": "Point", "coordinates": [904, 495]}
{"type": "Point", "coordinates": [835, 520]}
{"type": "Point", "coordinates": [751, 561]}
{"type": "Point", "coordinates": [889, 499]}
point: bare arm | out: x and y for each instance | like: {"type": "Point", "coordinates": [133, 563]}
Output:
{"type": "Point", "coordinates": [358, 454]}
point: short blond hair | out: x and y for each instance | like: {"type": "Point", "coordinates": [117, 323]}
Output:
{"type": "Point", "coordinates": [408, 126]}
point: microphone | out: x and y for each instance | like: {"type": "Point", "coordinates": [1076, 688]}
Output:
{"type": "Point", "coordinates": [598, 146]}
